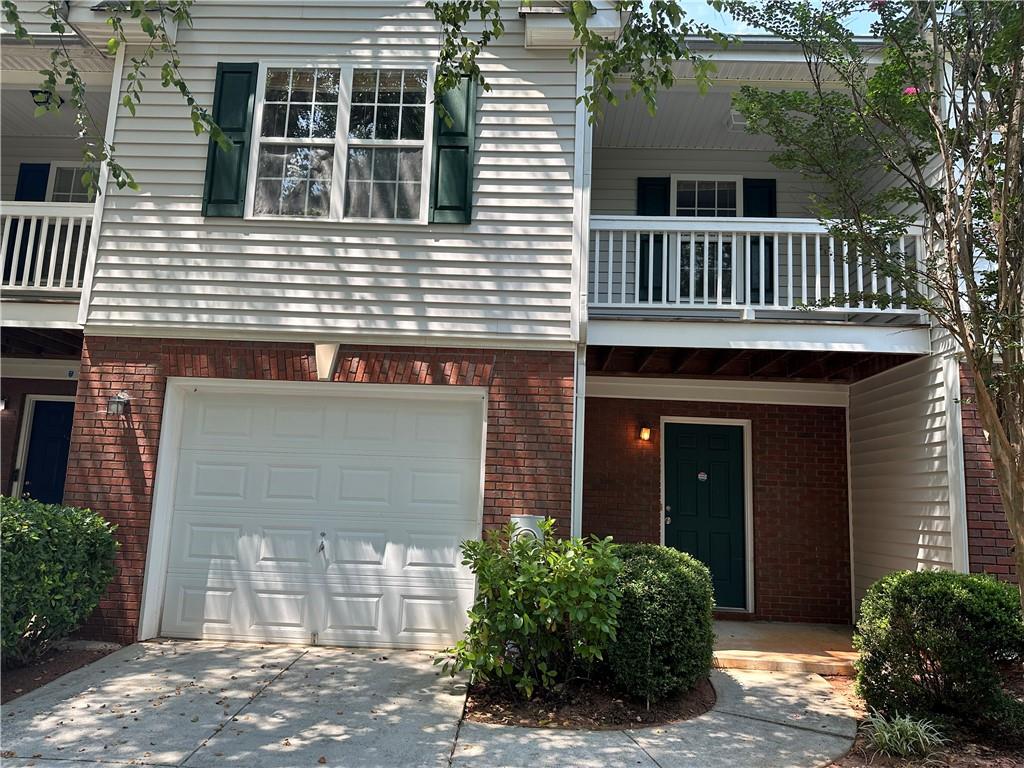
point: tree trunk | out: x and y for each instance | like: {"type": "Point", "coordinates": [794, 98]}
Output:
{"type": "Point", "coordinates": [1009, 475]}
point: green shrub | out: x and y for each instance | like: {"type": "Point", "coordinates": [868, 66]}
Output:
{"type": "Point", "coordinates": [56, 563]}
{"type": "Point", "coordinates": [544, 612]}
{"type": "Point", "coordinates": [902, 736]}
{"type": "Point", "coordinates": [666, 637]}
{"type": "Point", "coordinates": [930, 644]}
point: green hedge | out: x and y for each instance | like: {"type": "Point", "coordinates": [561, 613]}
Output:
{"type": "Point", "coordinates": [665, 639]}
{"type": "Point", "coordinates": [544, 611]}
{"type": "Point", "coordinates": [56, 563]}
{"type": "Point", "coordinates": [930, 643]}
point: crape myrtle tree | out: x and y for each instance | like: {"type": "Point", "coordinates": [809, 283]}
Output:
{"type": "Point", "coordinates": [926, 128]}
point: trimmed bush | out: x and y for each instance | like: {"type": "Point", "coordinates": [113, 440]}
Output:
{"type": "Point", "coordinates": [930, 644]}
{"type": "Point", "coordinates": [666, 638]}
{"type": "Point", "coordinates": [544, 612]}
{"type": "Point", "coordinates": [56, 563]}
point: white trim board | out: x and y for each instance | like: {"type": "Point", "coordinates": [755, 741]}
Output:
{"type": "Point", "coordinates": [719, 391]}
{"type": "Point", "coordinates": [39, 368]}
{"type": "Point", "coordinates": [760, 334]}
{"type": "Point", "coordinates": [28, 410]}
{"type": "Point", "coordinates": [40, 314]}
{"type": "Point", "coordinates": [748, 492]}
{"type": "Point", "coordinates": [955, 464]}
{"type": "Point", "coordinates": [171, 427]}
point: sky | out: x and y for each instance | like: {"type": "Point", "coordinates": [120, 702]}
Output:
{"type": "Point", "coordinates": [701, 11]}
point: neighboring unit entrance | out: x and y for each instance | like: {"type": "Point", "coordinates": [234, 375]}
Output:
{"type": "Point", "coordinates": [44, 458]}
{"type": "Point", "coordinates": [705, 505]}
{"type": "Point", "coordinates": [332, 517]}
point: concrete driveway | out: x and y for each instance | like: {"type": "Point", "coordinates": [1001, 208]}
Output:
{"type": "Point", "coordinates": [209, 705]}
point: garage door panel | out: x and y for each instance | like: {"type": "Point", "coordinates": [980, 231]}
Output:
{"type": "Point", "coordinates": [427, 427]}
{"type": "Point", "coordinates": [389, 487]}
{"type": "Point", "coordinates": [439, 489]}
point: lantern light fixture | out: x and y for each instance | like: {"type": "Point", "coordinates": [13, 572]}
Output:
{"type": "Point", "coordinates": [117, 404]}
{"type": "Point", "coordinates": [645, 433]}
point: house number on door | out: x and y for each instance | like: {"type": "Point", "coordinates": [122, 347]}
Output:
{"type": "Point", "coordinates": [702, 476]}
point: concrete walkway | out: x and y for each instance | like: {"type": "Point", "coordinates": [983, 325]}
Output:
{"type": "Point", "coordinates": [214, 705]}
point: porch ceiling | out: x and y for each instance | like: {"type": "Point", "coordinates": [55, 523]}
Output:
{"type": "Point", "coordinates": [41, 342]}
{"type": "Point", "coordinates": [771, 364]}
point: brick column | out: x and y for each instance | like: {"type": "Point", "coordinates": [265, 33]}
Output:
{"type": "Point", "coordinates": [989, 544]}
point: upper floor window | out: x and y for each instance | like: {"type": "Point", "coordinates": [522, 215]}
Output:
{"type": "Point", "coordinates": [706, 196]}
{"type": "Point", "coordinates": [385, 144]}
{"type": "Point", "coordinates": [324, 150]}
{"type": "Point", "coordinates": [66, 184]}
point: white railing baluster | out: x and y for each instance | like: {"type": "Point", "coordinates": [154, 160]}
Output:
{"type": "Point", "coordinates": [734, 255]}
{"type": "Point", "coordinates": [817, 269]}
{"type": "Point", "coordinates": [597, 265]}
{"type": "Point", "coordinates": [704, 264]}
{"type": "Point", "coordinates": [6, 238]}
{"type": "Point", "coordinates": [53, 252]}
{"type": "Point", "coordinates": [718, 277]}
{"type": "Point", "coordinates": [832, 252]}
{"type": "Point", "coordinates": [30, 248]}
{"type": "Point", "coordinates": [679, 267]}
{"type": "Point", "coordinates": [636, 283]}
{"type": "Point", "coordinates": [41, 251]}
{"type": "Point", "coordinates": [748, 293]}
{"type": "Point", "coordinates": [80, 251]}
{"type": "Point", "coordinates": [762, 242]}
{"type": "Point", "coordinates": [888, 279]}
{"type": "Point", "coordinates": [623, 257]}
{"type": "Point", "coordinates": [693, 268]}
{"type": "Point", "coordinates": [789, 271]}
{"type": "Point", "coordinates": [12, 278]}
{"type": "Point", "coordinates": [664, 267]}
{"type": "Point", "coordinates": [846, 273]}
{"type": "Point", "coordinates": [68, 233]}
{"type": "Point", "coordinates": [775, 270]}
{"type": "Point", "coordinates": [803, 269]}
{"type": "Point", "coordinates": [650, 266]}
{"type": "Point", "coordinates": [874, 287]}
{"type": "Point", "coordinates": [611, 265]}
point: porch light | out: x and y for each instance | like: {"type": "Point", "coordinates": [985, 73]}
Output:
{"type": "Point", "coordinates": [117, 403]}
{"type": "Point", "coordinates": [41, 98]}
{"type": "Point", "coordinates": [3, 403]}
{"type": "Point", "coordinates": [645, 433]}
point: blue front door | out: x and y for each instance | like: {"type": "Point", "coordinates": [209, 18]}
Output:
{"type": "Point", "coordinates": [46, 462]}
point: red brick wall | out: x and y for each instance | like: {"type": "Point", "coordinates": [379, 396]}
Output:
{"type": "Point", "coordinates": [801, 515]}
{"type": "Point", "coordinates": [989, 544]}
{"type": "Point", "coordinates": [113, 460]}
{"type": "Point", "coordinates": [14, 391]}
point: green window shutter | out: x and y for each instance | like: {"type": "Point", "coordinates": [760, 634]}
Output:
{"type": "Point", "coordinates": [451, 181]}
{"type": "Point", "coordinates": [233, 101]}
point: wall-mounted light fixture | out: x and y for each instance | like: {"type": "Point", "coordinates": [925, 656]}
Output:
{"type": "Point", "coordinates": [3, 403]}
{"type": "Point", "coordinates": [117, 403]}
{"type": "Point", "coordinates": [645, 433]}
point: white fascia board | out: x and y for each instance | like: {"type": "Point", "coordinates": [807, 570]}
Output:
{"type": "Point", "coordinates": [39, 368]}
{"type": "Point", "coordinates": [39, 314]}
{"type": "Point", "coordinates": [759, 334]}
{"type": "Point", "coordinates": [718, 391]}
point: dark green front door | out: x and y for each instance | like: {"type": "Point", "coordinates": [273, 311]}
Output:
{"type": "Point", "coordinates": [704, 503]}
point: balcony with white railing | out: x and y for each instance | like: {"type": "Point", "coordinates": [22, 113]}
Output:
{"type": "Point", "coordinates": [44, 248]}
{"type": "Point", "coordinates": [777, 269]}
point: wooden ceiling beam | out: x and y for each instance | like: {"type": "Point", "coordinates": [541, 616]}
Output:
{"type": "Point", "coordinates": [815, 358]}
{"type": "Point", "coordinates": [682, 358]}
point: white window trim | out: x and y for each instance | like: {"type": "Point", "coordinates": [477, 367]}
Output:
{"type": "Point", "coordinates": [677, 177]}
{"type": "Point", "coordinates": [338, 179]}
{"type": "Point", "coordinates": [748, 494]}
{"type": "Point", "coordinates": [52, 177]}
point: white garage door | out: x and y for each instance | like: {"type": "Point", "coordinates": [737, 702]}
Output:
{"type": "Point", "coordinates": [338, 517]}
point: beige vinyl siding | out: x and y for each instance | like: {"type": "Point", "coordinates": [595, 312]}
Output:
{"type": "Point", "coordinates": [900, 472]}
{"type": "Point", "coordinates": [161, 267]}
{"type": "Point", "coordinates": [616, 171]}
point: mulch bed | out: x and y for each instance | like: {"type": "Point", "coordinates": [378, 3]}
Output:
{"type": "Point", "coordinates": [962, 753]}
{"type": "Point", "coordinates": [584, 706]}
{"type": "Point", "coordinates": [20, 680]}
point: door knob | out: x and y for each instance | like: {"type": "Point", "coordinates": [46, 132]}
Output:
{"type": "Point", "coordinates": [668, 521]}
